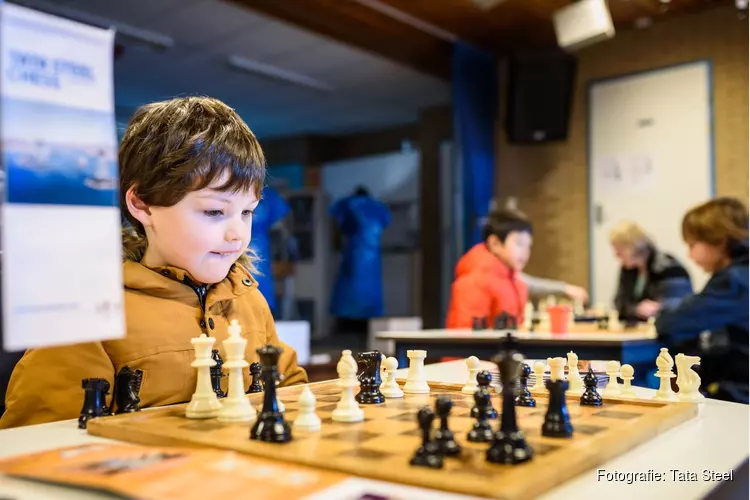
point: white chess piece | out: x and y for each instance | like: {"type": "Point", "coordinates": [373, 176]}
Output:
{"type": "Point", "coordinates": [688, 381]}
{"type": "Point", "coordinates": [236, 406]}
{"type": "Point", "coordinates": [612, 389]}
{"type": "Point", "coordinates": [664, 365]}
{"type": "Point", "coordinates": [539, 369]}
{"type": "Point", "coordinates": [347, 409]}
{"type": "Point", "coordinates": [556, 369]}
{"type": "Point", "coordinates": [578, 309]}
{"type": "Point", "coordinates": [575, 382]}
{"type": "Point", "coordinates": [204, 403]}
{"type": "Point", "coordinates": [471, 386]}
{"type": "Point", "coordinates": [613, 320]}
{"type": "Point", "coordinates": [307, 419]}
{"type": "Point", "coordinates": [528, 316]}
{"type": "Point", "coordinates": [416, 383]}
{"type": "Point", "coordinates": [390, 388]}
{"type": "Point", "coordinates": [626, 373]}
{"type": "Point", "coordinates": [382, 366]}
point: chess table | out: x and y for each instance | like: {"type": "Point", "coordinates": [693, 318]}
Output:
{"type": "Point", "coordinates": [716, 439]}
{"type": "Point", "coordinates": [637, 348]}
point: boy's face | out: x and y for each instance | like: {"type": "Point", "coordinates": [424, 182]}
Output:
{"type": "Point", "coordinates": [204, 234]}
{"type": "Point", "coordinates": [516, 250]}
{"type": "Point", "coordinates": [708, 257]}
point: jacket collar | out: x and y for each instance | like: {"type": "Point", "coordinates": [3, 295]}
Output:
{"type": "Point", "coordinates": [174, 283]}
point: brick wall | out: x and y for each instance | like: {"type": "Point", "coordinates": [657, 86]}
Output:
{"type": "Point", "coordinates": [550, 181]}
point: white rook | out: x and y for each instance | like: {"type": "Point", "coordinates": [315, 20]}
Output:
{"type": "Point", "coordinates": [416, 382]}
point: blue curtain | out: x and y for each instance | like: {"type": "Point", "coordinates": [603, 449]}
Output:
{"type": "Point", "coordinates": [475, 102]}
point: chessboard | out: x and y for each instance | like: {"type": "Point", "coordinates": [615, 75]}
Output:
{"type": "Point", "coordinates": [381, 446]}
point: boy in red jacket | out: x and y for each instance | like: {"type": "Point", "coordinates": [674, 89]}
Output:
{"type": "Point", "coordinates": [488, 281]}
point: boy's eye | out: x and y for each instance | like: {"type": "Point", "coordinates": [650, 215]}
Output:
{"type": "Point", "coordinates": [247, 213]}
{"type": "Point", "coordinates": [212, 213]}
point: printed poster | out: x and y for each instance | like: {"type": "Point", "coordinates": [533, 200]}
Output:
{"type": "Point", "coordinates": [60, 236]}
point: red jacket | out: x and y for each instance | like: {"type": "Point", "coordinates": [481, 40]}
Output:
{"type": "Point", "coordinates": [485, 286]}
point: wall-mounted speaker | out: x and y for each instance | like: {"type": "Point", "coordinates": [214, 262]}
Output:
{"type": "Point", "coordinates": [540, 88]}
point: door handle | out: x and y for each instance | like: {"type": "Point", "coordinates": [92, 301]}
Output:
{"type": "Point", "coordinates": [598, 214]}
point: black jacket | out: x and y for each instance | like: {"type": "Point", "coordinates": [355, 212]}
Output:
{"type": "Point", "coordinates": [667, 282]}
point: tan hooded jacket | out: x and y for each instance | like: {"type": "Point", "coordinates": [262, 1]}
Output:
{"type": "Point", "coordinates": [162, 315]}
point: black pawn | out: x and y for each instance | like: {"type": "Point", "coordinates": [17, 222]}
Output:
{"type": "Point", "coordinates": [590, 396]}
{"type": "Point", "coordinates": [484, 378]}
{"type": "Point", "coordinates": [270, 425]}
{"type": "Point", "coordinates": [216, 373]}
{"type": "Point", "coordinates": [509, 443]}
{"type": "Point", "coordinates": [127, 387]}
{"type": "Point", "coordinates": [94, 400]}
{"type": "Point", "coordinates": [255, 386]}
{"type": "Point", "coordinates": [557, 420]}
{"type": "Point", "coordinates": [368, 374]}
{"type": "Point", "coordinates": [476, 323]}
{"type": "Point", "coordinates": [443, 435]}
{"type": "Point", "coordinates": [482, 430]}
{"type": "Point", "coordinates": [427, 455]}
{"type": "Point", "coordinates": [524, 397]}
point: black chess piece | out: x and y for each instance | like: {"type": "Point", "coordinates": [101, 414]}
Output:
{"type": "Point", "coordinates": [602, 323]}
{"type": "Point", "coordinates": [557, 420]}
{"type": "Point", "coordinates": [505, 321]}
{"type": "Point", "coordinates": [270, 425]}
{"type": "Point", "coordinates": [509, 443]}
{"type": "Point", "coordinates": [255, 386]}
{"type": "Point", "coordinates": [524, 397]}
{"type": "Point", "coordinates": [94, 400]}
{"type": "Point", "coordinates": [427, 455]}
{"type": "Point", "coordinates": [443, 435]}
{"type": "Point", "coordinates": [484, 378]}
{"type": "Point", "coordinates": [127, 387]}
{"type": "Point", "coordinates": [368, 368]}
{"type": "Point", "coordinates": [481, 432]}
{"type": "Point", "coordinates": [476, 323]}
{"type": "Point", "coordinates": [217, 373]}
{"type": "Point", "coordinates": [590, 396]}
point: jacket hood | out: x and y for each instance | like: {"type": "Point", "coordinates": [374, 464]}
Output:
{"type": "Point", "coordinates": [479, 258]}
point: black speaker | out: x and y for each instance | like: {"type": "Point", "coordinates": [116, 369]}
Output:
{"type": "Point", "coordinates": [539, 96]}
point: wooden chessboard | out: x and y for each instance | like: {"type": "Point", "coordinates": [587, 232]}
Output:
{"type": "Point", "coordinates": [382, 446]}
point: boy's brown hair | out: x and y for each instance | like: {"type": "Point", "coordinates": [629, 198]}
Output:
{"type": "Point", "coordinates": [174, 147]}
{"type": "Point", "coordinates": [719, 221]}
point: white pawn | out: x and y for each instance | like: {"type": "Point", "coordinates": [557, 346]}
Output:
{"type": "Point", "coordinates": [612, 389]}
{"type": "Point", "coordinates": [204, 403]}
{"type": "Point", "coordinates": [626, 373]}
{"type": "Point", "coordinates": [556, 369]}
{"type": "Point", "coordinates": [575, 382]}
{"type": "Point", "coordinates": [347, 409]}
{"type": "Point", "coordinates": [416, 383]}
{"type": "Point", "coordinates": [471, 386]}
{"type": "Point", "coordinates": [528, 316]}
{"type": "Point", "coordinates": [307, 420]}
{"type": "Point", "coordinates": [390, 388]}
{"type": "Point", "coordinates": [236, 406]}
{"type": "Point", "coordinates": [539, 369]}
{"type": "Point", "coordinates": [664, 365]}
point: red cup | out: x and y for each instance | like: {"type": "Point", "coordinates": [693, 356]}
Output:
{"type": "Point", "coordinates": [559, 315]}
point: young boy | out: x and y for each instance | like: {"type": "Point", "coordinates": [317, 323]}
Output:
{"type": "Point", "coordinates": [191, 173]}
{"type": "Point", "coordinates": [488, 280]}
{"type": "Point", "coordinates": [717, 236]}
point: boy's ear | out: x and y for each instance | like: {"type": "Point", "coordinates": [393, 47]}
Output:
{"type": "Point", "coordinates": [137, 207]}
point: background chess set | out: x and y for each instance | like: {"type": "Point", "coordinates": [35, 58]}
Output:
{"type": "Point", "coordinates": [379, 441]}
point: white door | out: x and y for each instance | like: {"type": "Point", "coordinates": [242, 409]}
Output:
{"type": "Point", "coordinates": [650, 160]}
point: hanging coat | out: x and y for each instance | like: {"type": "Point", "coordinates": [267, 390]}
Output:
{"type": "Point", "coordinates": [358, 291]}
{"type": "Point", "coordinates": [271, 209]}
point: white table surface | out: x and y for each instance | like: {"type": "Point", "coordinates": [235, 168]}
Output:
{"type": "Point", "coordinates": [465, 334]}
{"type": "Point", "coordinates": [717, 439]}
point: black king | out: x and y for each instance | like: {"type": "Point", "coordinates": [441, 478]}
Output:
{"type": "Point", "coordinates": [509, 444]}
